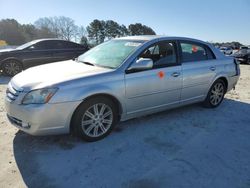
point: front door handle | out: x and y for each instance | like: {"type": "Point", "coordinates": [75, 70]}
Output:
{"type": "Point", "coordinates": [175, 74]}
{"type": "Point", "coordinates": [212, 68]}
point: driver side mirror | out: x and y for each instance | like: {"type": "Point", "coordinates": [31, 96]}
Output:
{"type": "Point", "coordinates": [140, 65]}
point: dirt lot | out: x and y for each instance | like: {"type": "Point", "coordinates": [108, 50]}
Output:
{"type": "Point", "coordinates": [185, 147]}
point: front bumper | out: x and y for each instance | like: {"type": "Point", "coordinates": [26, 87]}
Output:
{"type": "Point", "coordinates": [41, 119]}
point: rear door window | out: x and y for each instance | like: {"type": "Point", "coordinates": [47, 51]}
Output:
{"type": "Point", "coordinates": [47, 45]}
{"type": "Point", "coordinates": [67, 45]}
{"type": "Point", "coordinates": [195, 52]}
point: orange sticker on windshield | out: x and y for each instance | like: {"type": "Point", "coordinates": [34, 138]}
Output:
{"type": "Point", "coordinates": [161, 74]}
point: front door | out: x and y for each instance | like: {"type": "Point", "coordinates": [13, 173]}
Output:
{"type": "Point", "coordinates": [156, 88]}
{"type": "Point", "coordinates": [37, 54]}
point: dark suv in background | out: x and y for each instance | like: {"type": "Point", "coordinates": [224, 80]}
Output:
{"type": "Point", "coordinates": [38, 52]}
{"type": "Point", "coordinates": [243, 55]}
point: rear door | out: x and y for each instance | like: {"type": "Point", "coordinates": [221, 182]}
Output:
{"type": "Point", "coordinates": [199, 69]}
{"type": "Point", "coordinates": [156, 88]}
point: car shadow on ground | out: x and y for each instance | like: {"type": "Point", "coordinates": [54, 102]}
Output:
{"type": "Point", "coordinates": [134, 148]}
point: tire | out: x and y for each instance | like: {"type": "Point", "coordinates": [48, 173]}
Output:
{"type": "Point", "coordinates": [215, 95]}
{"type": "Point", "coordinates": [95, 118]}
{"type": "Point", "coordinates": [11, 67]}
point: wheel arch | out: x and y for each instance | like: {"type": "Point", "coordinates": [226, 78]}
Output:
{"type": "Point", "coordinates": [109, 96]}
{"type": "Point", "coordinates": [224, 79]}
{"type": "Point", "coordinates": [11, 58]}
{"type": "Point", "coordinates": [220, 77]}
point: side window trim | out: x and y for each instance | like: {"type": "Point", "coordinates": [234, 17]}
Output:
{"type": "Point", "coordinates": [178, 60]}
{"type": "Point", "coordinates": [174, 42]}
{"type": "Point", "coordinates": [206, 48]}
{"type": "Point", "coordinates": [210, 51]}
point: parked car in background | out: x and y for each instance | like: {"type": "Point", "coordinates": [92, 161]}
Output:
{"type": "Point", "coordinates": [226, 50]}
{"type": "Point", "coordinates": [38, 52]}
{"type": "Point", "coordinates": [243, 47]}
{"type": "Point", "coordinates": [243, 55]}
{"type": "Point", "coordinates": [118, 80]}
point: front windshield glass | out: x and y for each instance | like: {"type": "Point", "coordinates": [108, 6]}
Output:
{"type": "Point", "coordinates": [26, 45]}
{"type": "Point", "coordinates": [110, 54]}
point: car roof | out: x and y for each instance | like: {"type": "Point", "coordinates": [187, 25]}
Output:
{"type": "Point", "coordinates": [153, 37]}
{"type": "Point", "coordinates": [49, 39]}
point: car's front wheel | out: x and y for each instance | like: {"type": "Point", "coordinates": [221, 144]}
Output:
{"type": "Point", "coordinates": [11, 67]}
{"type": "Point", "coordinates": [95, 118]}
{"type": "Point", "coordinates": [216, 94]}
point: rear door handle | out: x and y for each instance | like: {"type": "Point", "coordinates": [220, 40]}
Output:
{"type": "Point", "coordinates": [175, 74]}
{"type": "Point", "coordinates": [212, 68]}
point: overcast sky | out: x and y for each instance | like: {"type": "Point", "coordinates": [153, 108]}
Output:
{"type": "Point", "coordinates": [209, 20]}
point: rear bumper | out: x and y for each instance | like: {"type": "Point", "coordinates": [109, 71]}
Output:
{"type": "Point", "coordinates": [242, 60]}
{"type": "Point", "coordinates": [42, 119]}
{"type": "Point", "coordinates": [232, 81]}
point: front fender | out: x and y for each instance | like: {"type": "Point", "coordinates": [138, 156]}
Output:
{"type": "Point", "coordinates": [80, 94]}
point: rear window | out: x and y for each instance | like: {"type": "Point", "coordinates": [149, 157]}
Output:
{"type": "Point", "coordinates": [69, 45]}
{"type": "Point", "coordinates": [195, 52]}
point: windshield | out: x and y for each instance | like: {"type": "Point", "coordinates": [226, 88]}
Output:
{"type": "Point", "coordinates": [26, 45]}
{"type": "Point", "coordinates": [110, 54]}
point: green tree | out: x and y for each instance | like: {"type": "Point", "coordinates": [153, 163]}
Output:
{"type": "Point", "coordinates": [11, 32]}
{"type": "Point", "coordinates": [84, 42]}
{"type": "Point", "coordinates": [139, 29]}
{"type": "Point", "coordinates": [96, 31]}
{"type": "Point", "coordinates": [112, 29]}
{"type": "Point", "coordinates": [123, 31]}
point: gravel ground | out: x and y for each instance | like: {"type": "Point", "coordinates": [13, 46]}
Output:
{"type": "Point", "coordinates": [185, 147]}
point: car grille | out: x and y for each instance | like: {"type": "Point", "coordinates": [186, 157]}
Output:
{"type": "Point", "coordinates": [12, 93]}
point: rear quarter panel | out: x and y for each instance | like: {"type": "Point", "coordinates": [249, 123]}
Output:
{"type": "Point", "coordinates": [225, 68]}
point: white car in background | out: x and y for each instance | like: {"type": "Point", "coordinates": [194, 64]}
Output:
{"type": "Point", "coordinates": [226, 50]}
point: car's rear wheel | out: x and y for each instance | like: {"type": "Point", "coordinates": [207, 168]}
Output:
{"type": "Point", "coordinates": [216, 94]}
{"type": "Point", "coordinates": [95, 118]}
{"type": "Point", "coordinates": [11, 67]}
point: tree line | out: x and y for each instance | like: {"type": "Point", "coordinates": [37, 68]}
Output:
{"type": "Point", "coordinates": [65, 28]}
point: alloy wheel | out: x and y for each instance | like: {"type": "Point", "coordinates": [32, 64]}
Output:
{"type": "Point", "coordinates": [217, 93]}
{"type": "Point", "coordinates": [12, 68]}
{"type": "Point", "coordinates": [97, 120]}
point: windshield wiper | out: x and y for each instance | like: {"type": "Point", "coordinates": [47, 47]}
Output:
{"type": "Point", "coordinates": [97, 65]}
{"type": "Point", "coordinates": [87, 63]}
{"type": "Point", "coordinates": [104, 66]}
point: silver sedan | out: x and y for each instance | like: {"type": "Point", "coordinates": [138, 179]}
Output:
{"type": "Point", "coordinates": [118, 80]}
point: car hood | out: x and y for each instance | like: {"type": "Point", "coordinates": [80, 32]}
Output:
{"type": "Point", "coordinates": [54, 73]}
{"type": "Point", "coordinates": [7, 50]}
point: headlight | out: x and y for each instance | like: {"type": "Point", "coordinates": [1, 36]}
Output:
{"type": "Point", "coordinates": [40, 96]}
